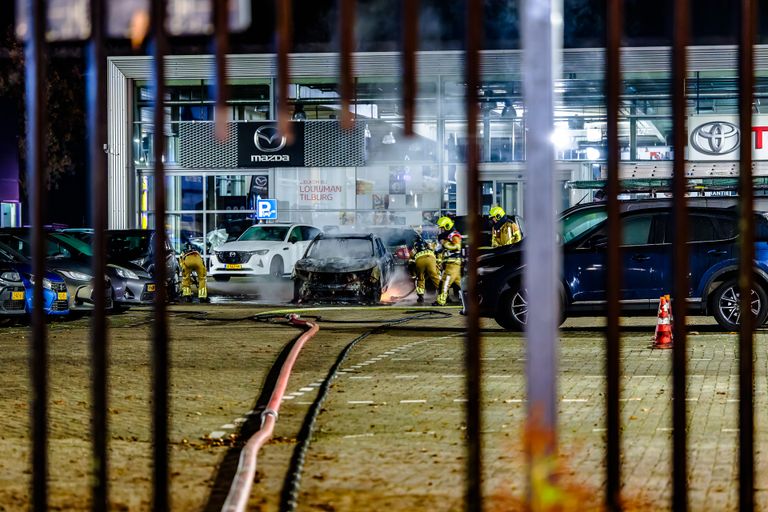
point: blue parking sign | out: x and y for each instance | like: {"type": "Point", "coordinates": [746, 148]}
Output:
{"type": "Point", "coordinates": [266, 209]}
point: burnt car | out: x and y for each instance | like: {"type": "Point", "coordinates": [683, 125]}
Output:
{"type": "Point", "coordinates": [343, 267]}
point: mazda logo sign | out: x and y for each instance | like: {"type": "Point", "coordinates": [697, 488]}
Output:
{"type": "Point", "coordinates": [232, 254]}
{"type": "Point", "coordinates": [268, 140]}
{"type": "Point", "coordinates": [716, 138]}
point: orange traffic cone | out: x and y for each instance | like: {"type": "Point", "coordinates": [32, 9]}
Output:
{"type": "Point", "coordinates": [663, 336]}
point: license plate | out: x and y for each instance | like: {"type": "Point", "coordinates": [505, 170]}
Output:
{"type": "Point", "coordinates": [62, 295]}
{"type": "Point", "coordinates": [233, 266]}
{"type": "Point", "coordinates": [150, 287]}
{"type": "Point", "coordinates": [17, 295]}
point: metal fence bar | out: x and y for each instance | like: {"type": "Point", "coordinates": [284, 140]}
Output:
{"type": "Point", "coordinates": [284, 35]}
{"type": "Point", "coordinates": [35, 61]}
{"type": "Point", "coordinates": [220, 9]}
{"type": "Point", "coordinates": [541, 279]}
{"type": "Point", "coordinates": [746, 257]}
{"type": "Point", "coordinates": [410, 43]}
{"type": "Point", "coordinates": [680, 261]}
{"type": "Point", "coordinates": [473, 352]}
{"type": "Point", "coordinates": [160, 367]}
{"type": "Point", "coordinates": [97, 137]}
{"type": "Point", "coordinates": [615, 20]}
{"type": "Point", "coordinates": [347, 38]}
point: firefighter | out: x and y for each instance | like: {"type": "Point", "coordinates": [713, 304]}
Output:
{"type": "Point", "coordinates": [191, 261]}
{"type": "Point", "coordinates": [423, 263]}
{"type": "Point", "coordinates": [450, 253]}
{"type": "Point", "coordinates": [505, 231]}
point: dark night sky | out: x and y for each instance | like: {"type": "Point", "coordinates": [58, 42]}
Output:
{"type": "Point", "coordinates": [647, 23]}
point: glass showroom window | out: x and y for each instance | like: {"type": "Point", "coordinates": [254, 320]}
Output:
{"type": "Point", "coordinates": [397, 194]}
{"type": "Point", "coordinates": [319, 196]}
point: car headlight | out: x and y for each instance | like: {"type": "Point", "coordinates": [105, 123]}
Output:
{"type": "Point", "coordinates": [260, 252]}
{"type": "Point", "coordinates": [483, 271]}
{"type": "Point", "coordinates": [46, 282]}
{"type": "Point", "coordinates": [73, 274]}
{"type": "Point", "coordinates": [10, 276]}
{"type": "Point", "coordinates": [126, 273]}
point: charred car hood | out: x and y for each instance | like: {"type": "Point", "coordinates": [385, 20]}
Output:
{"type": "Point", "coordinates": [335, 264]}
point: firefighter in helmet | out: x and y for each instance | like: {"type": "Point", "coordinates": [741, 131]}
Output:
{"type": "Point", "coordinates": [423, 263]}
{"type": "Point", "coordinates": [504, 231]}
{"type": "Point", "coordinates": [450, 252]}
{"type": "Point", "coordinates": [191, 261]}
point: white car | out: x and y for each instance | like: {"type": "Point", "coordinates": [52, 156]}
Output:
{"type": "Point", "coordinates": [262, 250]}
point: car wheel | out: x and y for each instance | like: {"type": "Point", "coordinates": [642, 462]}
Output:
{"type": "Point", "coordinates": [276, 268]}
{"type": "Point", "coordinates": [726, 309]}
{"type": "Point", "coordinates": [512, 310]}
{"type": "Point", "coordinates": [221, 279]}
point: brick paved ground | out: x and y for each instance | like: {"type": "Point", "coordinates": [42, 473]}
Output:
{"type": "Point", "coordinates": [391, 434]}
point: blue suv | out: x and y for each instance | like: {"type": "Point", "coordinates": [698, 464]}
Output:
{"type": "Point", "coordinates": [647, 263]}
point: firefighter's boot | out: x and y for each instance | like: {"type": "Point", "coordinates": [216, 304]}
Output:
{"type": "Point", "coordinates": [420, 298]}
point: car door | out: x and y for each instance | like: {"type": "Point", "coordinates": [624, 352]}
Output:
{"type": "Point", "coordinates": [387, 262]}
{"type": "Point", "coordinates": [296, 247]}
{"type": "Point", "coordinates": [710, 247]}
{"type": "Point", "coordinates": [643, 262]}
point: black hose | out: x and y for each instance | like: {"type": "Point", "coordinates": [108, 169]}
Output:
{"type": "Point", "coordinates": [290, 492]}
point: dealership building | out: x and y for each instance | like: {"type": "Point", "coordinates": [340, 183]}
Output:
{"type": "Point", "coordinates": [372, 174]}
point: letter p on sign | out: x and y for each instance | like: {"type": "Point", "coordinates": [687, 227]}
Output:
{"type": "Point", "coordinates": [266, 209]}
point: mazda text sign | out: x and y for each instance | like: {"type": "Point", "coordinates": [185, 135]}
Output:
{"type": "Point", "coordinates": [262, 145]}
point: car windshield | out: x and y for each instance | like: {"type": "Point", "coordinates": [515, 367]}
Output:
{"type": "Point", "coordinates": [129, 247]}
{"type": "Point", "coordinates": [8, 255]}
{"type": "Point", "coordinates": [578, 223]}
{"type": "Point", "coordinates": [340, 248]}
{"type": "Point", "coordinates": [264, 233]}
{"type": "Point", "coordinates": [72, 243]}
{"type": "Point", "coordinates": [16, 244]}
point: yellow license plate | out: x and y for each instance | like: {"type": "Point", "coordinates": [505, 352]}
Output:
{"type": "Point", "coordinates": [150, 287]}
{"type": "Point", "coordinates": [233, 266]}
{"type": "Point", "coordinates": [62, 295]}
{"type": "Point", "coordinates": [17, 295]}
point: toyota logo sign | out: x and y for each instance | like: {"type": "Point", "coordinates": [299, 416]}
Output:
{"type": "Point", "coordinates": [268, 139]}
{"type": "Point", "coordinates": [716, 138]}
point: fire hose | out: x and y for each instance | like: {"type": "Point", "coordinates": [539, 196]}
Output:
{"type": "Point", "coordinates": [240, 491]}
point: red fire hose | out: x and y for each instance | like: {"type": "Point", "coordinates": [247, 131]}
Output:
{"type": "Point", "coordinates": [240, 491]}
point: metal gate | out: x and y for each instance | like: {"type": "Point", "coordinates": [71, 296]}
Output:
{"type": "Point", "coordinates": [540, 22]}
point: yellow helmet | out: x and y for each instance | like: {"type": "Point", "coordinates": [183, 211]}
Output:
{"type": "Point", "coordinates": [445, 222]}
{"type": "Point", "coordinates": [497, 212]}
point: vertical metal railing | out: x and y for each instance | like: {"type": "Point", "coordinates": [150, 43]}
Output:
{"type": "Point", "coordinates": [346, 66]}
{"type": "Point", "coordinates": [35, 55]}
{"type": "Point", "coordinates": [541, 279]}
{"type": "Point", "coordinates": [160, 359]}
{"type": "Point", "coordinates": [96, 107]}
{"type": "Point", "coordinates": [680, 284]}
{"type": "Point", "coordinates": [614, 24]}
{"type": "Point", "coordinates": [473, 350]}
{"type": "Point", "coordinates": [748, 21]}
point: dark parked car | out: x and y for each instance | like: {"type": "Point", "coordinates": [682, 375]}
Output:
{"type": "Point", "coordinates": [131, 284]}
{"type": "Point", "coordinates": [55, 296]}
{"type": "Point", "coordinates": [12, 292]}
{"type": "Point", "coordinates": [134, 249]}
{"type": "Point", "coordinates": [647, 264]}
{"type": "Point", "coordinates": [76, 274]}
{"type": "Point", "coordinates": [343, 267]}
